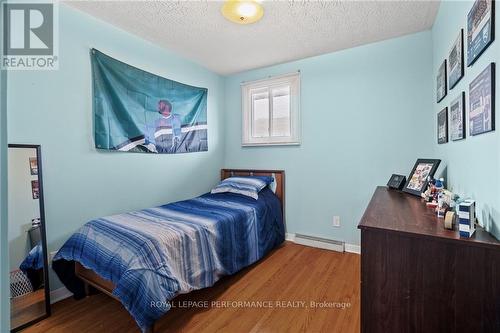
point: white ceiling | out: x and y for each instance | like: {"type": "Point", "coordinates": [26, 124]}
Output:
{"type": "Point", "coordinates": [288, 31]}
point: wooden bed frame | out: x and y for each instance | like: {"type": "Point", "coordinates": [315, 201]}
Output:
{"type": "Point", "coordinates": [90, 278]}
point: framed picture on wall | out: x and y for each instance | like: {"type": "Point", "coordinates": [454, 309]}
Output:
{"type": "Point", "coordinates": [35, 190]}
{"type": "Point", "coordinates": [419, 176]}
{"type": "Point", "coordinates": [441, 82]}
{"type": "Point", "coordinates": [457, 118]}
{"type": "Point", "coordinates": [33, 166]}
{"type": "Point", "coordinates": [442, 126]}
{"type": "Point", "coordinates": [482, 102]}
{"type": "Point", "coordinates": [456, 61]}
{"type": "Point", "coordinates": [480, 29]}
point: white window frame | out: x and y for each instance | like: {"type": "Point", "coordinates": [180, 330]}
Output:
{"type": "Point", "coordinates": [293, 80]}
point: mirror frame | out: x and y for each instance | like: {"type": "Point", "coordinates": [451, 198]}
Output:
{"type": "Point", "coordinates": [41, 203]}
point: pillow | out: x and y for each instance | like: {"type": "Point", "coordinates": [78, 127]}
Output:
{"type": "Point", "coordinates": [273, 185]}
{"type": "Point", "coordinates": [249, 185]}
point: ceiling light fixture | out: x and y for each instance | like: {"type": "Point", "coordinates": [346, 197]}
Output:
{"type": "Point", "coordinates": [242, 11]}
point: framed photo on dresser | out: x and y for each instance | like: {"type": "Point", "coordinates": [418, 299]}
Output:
{"type": "Point", "coordinates": [482, 102]}
{"type": "Point", "coordinates": [442, 126]}
{"type": "Point", "coordinates": [457, 118]}
{"type": "Point", "coordinates": [419, 176]}
{"type": "Point", "coordinates": [456, 61]}
{"type": "Point", "coordinates": [441, 82]}
{"type": "Point", "coordinates": [480, 29]}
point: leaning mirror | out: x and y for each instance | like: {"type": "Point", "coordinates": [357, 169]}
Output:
{"type": "Point", "coordinates": [29, 284]}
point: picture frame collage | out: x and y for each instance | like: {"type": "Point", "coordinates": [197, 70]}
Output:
{"type": "Point", "coordinates": [452, 121]}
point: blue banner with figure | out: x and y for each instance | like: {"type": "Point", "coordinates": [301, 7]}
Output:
{"type": "Point", "coordinates": [141, 112]}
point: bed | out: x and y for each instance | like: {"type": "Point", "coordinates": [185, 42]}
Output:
{"type": "Point", "coordinates": [146, 258]}
{"type": "Point", "coordinates": [32, 266]}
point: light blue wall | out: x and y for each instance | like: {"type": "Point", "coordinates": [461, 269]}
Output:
{"type": "Point", "coordinates": [54, 109]}
{"type": "Point", "coordinates": [471, 165]}
{"type": "Point", "coordinates": [366, 113]}
{"type": "Point", "coordinates": [4, 244]}
{"type": "Point", "coordinates": [4, 256]}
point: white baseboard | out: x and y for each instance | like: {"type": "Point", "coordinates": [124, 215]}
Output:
{"type": "Point", "coordinates": [59, 294]}
{"type": "Point", "coordinates": [351, 248]}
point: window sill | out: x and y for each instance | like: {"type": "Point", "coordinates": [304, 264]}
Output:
{"type": "Point", "coordinates": [270, 144]}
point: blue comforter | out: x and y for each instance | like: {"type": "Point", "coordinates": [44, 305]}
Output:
{"type": "Point", "coordinates": [154, 254]}
{"type": "Point", "coordinates": [34, 259]}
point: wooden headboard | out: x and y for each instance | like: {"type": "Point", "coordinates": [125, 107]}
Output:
{"type": "Point", "coordinates": [279, 177]}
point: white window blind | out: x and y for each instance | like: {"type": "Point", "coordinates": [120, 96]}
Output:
{"type": "Point", "coordinates": [271, 111]}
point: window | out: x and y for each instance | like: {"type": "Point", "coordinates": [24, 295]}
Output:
{"type": "Point", "coordinates": [271, 111]}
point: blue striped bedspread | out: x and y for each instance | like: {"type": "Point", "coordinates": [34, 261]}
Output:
{"type": "Point", "coordinates": [34, 259]}
{"type": "Point", "coordinates": [154, 254]}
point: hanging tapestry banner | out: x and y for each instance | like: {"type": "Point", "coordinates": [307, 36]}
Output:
{"type": "Point", "coordinates": [141, 112]}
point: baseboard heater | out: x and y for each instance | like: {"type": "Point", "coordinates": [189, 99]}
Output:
{"type": "Point", "coordinates": [322, 243]}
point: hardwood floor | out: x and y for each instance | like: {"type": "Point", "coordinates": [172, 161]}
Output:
{"type": "Point", "coordinates": [289, 275]}
{"type": "Point", "coordinates": [27, 308]}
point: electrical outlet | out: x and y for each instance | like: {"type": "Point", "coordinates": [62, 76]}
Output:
{"type": "Point", "coordinates": [336, 221]}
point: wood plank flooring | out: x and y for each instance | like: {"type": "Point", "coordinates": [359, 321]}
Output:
{"type": "Point", "coordinates": [289, 275]}
{"type": "Point", "coordinates": [27, 308]}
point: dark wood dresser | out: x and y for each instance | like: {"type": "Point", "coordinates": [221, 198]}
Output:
{"type": "Point", "coordinates": [417, 276]}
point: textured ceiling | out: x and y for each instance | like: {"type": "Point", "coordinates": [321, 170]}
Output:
{"type": "Point", "coordinates": [288, 31]}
